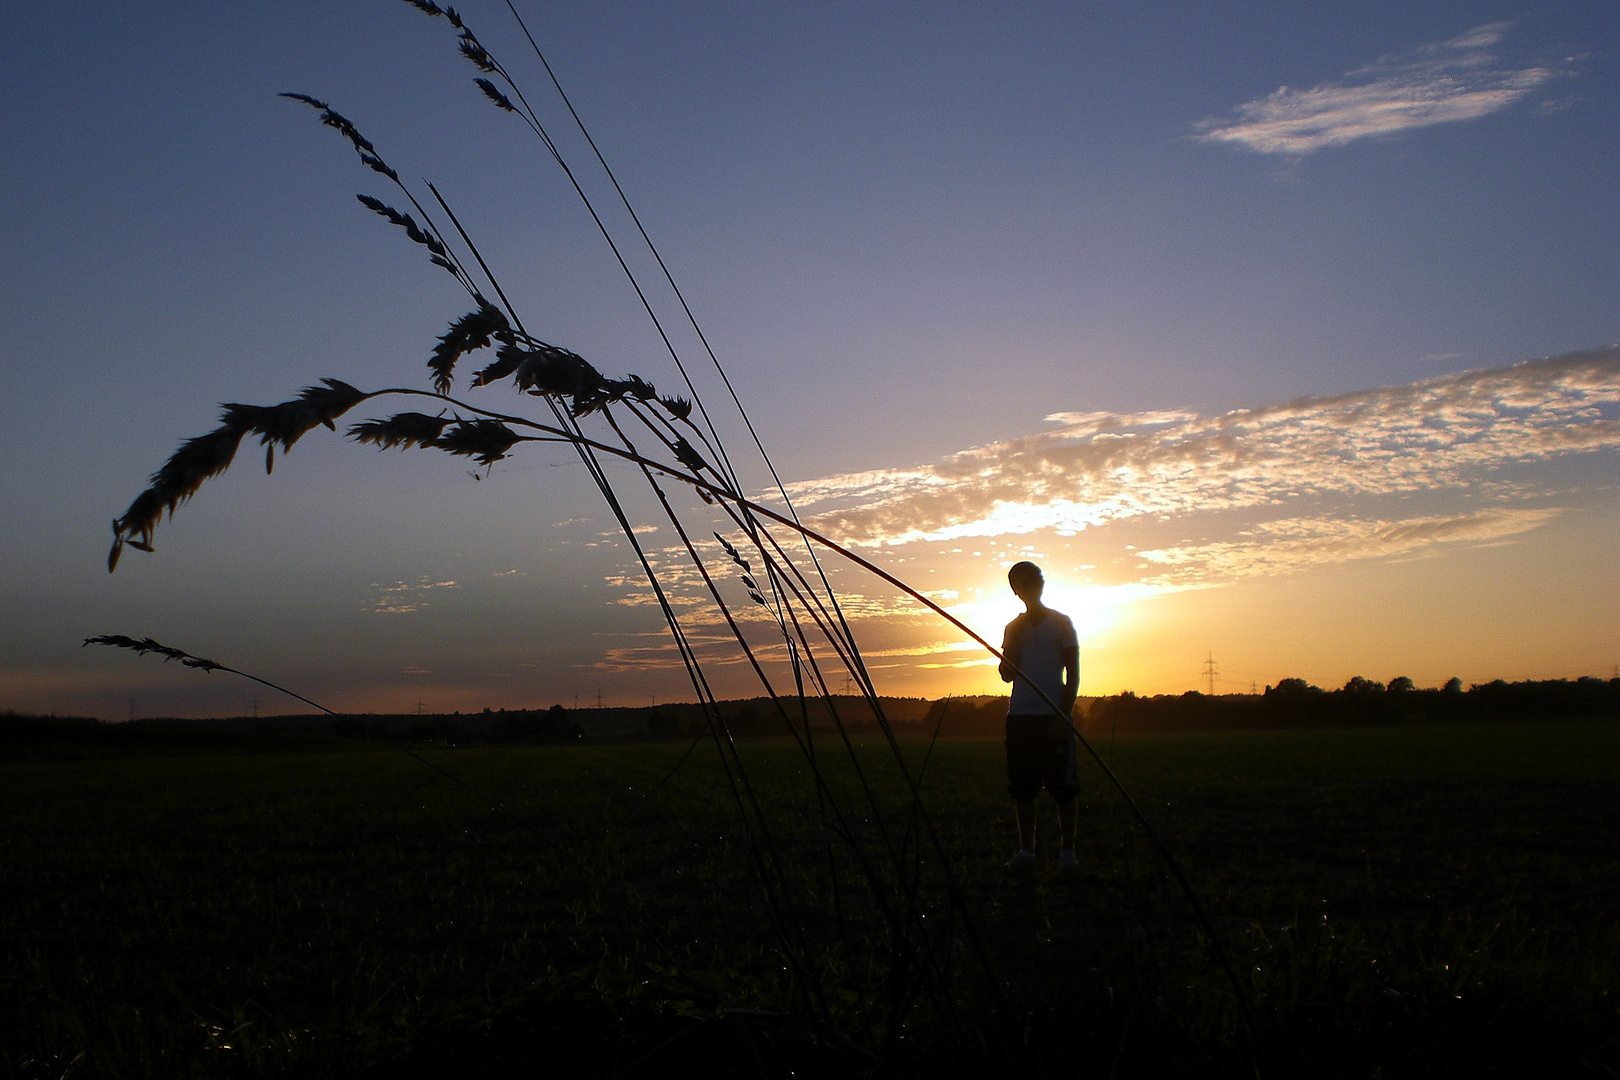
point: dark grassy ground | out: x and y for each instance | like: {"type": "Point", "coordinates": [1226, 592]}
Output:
{"type": "Point", "coordinates": [1400, 902]}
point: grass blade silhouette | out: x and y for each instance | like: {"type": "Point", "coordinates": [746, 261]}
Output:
{"type": "Point", "coordinates": [142, 646]}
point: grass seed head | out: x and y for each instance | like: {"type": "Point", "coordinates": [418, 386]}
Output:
{"type": "Point", "coordinates": [195, 461]}
{"type": "Point", "coordinates": [554, 370]}
{"type": "Point", "coordinates": [472, 50]}
{"type": "Point", "coordinates": [142, 646]}
{"type": "Point", "coordinates": [508, 358]}
{"type": "Point", "coordinates": [290, 421]}
{"type": "Point", "coordinates": [501, 100]}
{"type": "Point", "coordinates": [404, 221]}
{"type": "Point", "coordinates": [337, 121]}
{"type": "Point", "coordinates": [314, 103]}
{"type": "Point", "coordinates": [637, 387]}
{"type": "Point", "coordinates": [689, 457]}
{"type": "Point", "coordinates": [486, 441]}
{"type": "Point", "coordinates": [473, 331]}
{"type": "Point", "coordinates": [403, 430]}
{"type": "Point", "coordinates": [205, 456]}
{"type": "Point", "coordinates": [428, 7]}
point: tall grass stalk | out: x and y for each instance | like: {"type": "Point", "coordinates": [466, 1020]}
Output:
{"type": "Point", "coordinates": [142, 646]}
{"type": "Point", "coordinates": [806, 620]}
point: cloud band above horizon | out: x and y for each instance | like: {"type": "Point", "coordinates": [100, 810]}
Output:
{"type": "Point", "coordinates": [1452, 432]}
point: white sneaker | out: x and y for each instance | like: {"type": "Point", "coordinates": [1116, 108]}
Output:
{"type": "Point", "coordinates": [1066, 860]}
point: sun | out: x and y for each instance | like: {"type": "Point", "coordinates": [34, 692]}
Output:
{"type": "Point", "coordinates": [989, 608]}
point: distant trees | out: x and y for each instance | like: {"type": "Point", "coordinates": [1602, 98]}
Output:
{"type": "Point", "coordinates": [661, 725]}
{"type": "Point", "coordinates": [1294, 702]}
{"type": "Point", "coordinates": [529, 725]}
{"type": "Point", "coordinates": [553, 725]}
{"type": "Point", "coordinates": [982, 715]}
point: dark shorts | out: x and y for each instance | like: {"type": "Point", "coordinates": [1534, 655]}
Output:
{"type": "Point", "coordinates": [1041, 753]}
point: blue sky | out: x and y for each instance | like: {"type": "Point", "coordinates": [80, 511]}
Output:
{"type": "Point", "coordinates": [913, 233]}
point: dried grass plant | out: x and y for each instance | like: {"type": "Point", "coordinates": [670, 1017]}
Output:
{"type": "Point", "coordinates": [940, 964]}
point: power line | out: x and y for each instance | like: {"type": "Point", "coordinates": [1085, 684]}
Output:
{"type": "Point", "coordinates": [1210, 671]}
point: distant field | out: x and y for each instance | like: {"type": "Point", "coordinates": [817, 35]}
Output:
{"type": "Point", "coordinates": [1416, 901]}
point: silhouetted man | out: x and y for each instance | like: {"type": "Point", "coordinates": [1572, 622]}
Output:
{"type": "Point", "coordinates": [1040, 747]}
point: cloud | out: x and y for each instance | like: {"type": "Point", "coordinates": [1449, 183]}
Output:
{"type": "Point", "coordinates": [1454, 432]}
{"type": "Point", "coordinates": [687, 592]}
{"type": "Point", "coordinates": [926, 649]}
{"type": "Point", "coordinates": [403, 597]}
{"type": "Point", "coordinates": [1441, 83]}
{"type": "Point", "coordinates": [1277, 489]}
{"type": "Point", "coordinates": [715, 650]}
{"type": "Point", "coordinates": [1290, 544]}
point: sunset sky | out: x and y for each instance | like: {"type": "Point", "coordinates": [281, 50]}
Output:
{"type": "Point", "coordinates": [1283, 334]}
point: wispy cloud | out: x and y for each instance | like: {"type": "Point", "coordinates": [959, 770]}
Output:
{"type": "Point", "coordinates": [404, 597]}
{"type": "Point", "coordinates": [1459, 79]}
{"type": "Point", "coordinates": [718, 650]}
{"type": "Point", "coordinates": [1290, 544]}
{"type": "Point", "coordinates": [1397, 472]}
{"type": "Point", "coordinates": [1450, 432]}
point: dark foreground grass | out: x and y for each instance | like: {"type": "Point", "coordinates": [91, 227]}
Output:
{"type": "Point", "coordinates": [1402, 902]}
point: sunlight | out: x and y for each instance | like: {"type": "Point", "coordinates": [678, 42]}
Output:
{"type": "Point", "coordinates": [1097, 611]}
{"type": "Point", "coordinates": [1092, 608]}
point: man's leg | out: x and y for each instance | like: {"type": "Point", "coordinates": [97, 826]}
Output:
{"type": "Point", "coordinates": [1066, 815]}
{"type": "Point", "coordinates": [1023, 783]}
{"type": "Point", "coordinates": [1064, 784]}
{"type": "Point", "coordinates": [1026, 823]}
{"type": "Point", "coordinates": [1067, 863]}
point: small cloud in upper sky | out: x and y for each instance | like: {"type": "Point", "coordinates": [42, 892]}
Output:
{"type": "Point", "coordinates": [404, 597]}
{"type": "Point", "coordinates": [1459, 79]}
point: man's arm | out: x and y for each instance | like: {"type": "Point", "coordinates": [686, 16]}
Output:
{"type": "Point", "coordinates": [1009, 648]}
{"type": "Point", "coordinates": [1071, 678]}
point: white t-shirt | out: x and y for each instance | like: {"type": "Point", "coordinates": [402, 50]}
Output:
{"type": "Point", "coordinates": [1039, 654]}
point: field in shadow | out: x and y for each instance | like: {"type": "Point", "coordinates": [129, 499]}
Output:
{"type": "Point", "coordinates": [1410, 901]}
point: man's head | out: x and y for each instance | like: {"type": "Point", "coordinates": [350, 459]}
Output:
{"type": "Point", "coordinates": [1026, 581]}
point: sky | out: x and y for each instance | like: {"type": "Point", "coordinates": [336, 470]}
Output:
{"type": "Point", "coordinates": [1283, 335]}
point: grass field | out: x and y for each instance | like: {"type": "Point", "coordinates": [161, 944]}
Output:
{"type": "Point", "coordinates": [1402, 902]}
